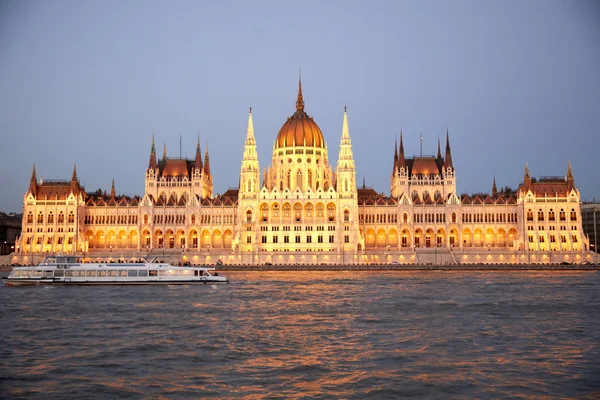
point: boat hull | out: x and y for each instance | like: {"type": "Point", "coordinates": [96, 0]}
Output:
{"type": "Point", "coordinates": [44, 282]}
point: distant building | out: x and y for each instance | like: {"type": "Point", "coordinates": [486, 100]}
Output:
{"type": "Point", "coordinates": [10, 229]}
{"type": "Point", "coordinates": [590, 216]}
{"type": "Point", "coordinates": [305, 210]}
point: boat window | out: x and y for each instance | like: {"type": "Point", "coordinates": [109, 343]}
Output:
{"type": "Point", "coordinates": [80, 273]}
{"type": "Point", "coordinates": [112, 272]}
{"type": "Point", "coordinates": [90, 272]}
{"type": "Point", "coordinates": [101, 273]}
{"type": "Point", "coordinates": [153, 272]}
{"type": "Point", "coordinates": [37, 272]}
{"type": "Point", "coordinates": [143, 272]}
{"type": "Point", "coordinates": [16, 273]}
{"type": "Point", "coordinates": [26, 273]}
{"type": "Point", "coordinates": [132, 273]}
{"type": "Point", "coordinates": [122, 272]}
{"type": "Point", "coordinates": [196, 272]}
{"type": "Point", "coordinates": [71, 260]}
{"type": "Point", "coordinates": [48, 274]}
{"type": "Point", "coordinates": [69, 273]}
{"type": "Point", "coordinates": [59, 273]}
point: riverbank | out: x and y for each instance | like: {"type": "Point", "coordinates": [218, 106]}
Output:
{"type": "Point", "coordinates": [410, 267]}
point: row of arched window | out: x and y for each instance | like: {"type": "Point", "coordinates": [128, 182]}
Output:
{"type": "Point", "coordinates": [50, 218]}
{"type": "Point", "coordinates": [551, 215]}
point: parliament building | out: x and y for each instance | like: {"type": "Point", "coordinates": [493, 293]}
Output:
{"type": "Point", "coordinates": [301, 209]}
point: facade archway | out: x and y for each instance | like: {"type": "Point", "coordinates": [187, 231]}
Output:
{"type": "Point", "coordinates": [205, 239]}
{"type": "Point", "coordinates": [405, 240]}
{"type": "Point", "coordinates": [193, 239]}
{"type": "Point", "coordinates": [227, 239]}
{"type": "Point", "coordinates": [440, 238]}
{"type": "Point", "coordinates": [122, 240]}
{"type": "Point", "coordinates": [380, 240]}
{"type": "Point", "coordinates": [513, 237]}
{"type": "Point", "coordinates": [217, 239]}
{"type": "Point", "coordinates": [370, 238]}
{"type": "Point", "coordinates": [490, 238]}
{"type": "Point", "coordinates": [478, 238]}
{"type": "Point", "coordinates": [419, 240]}
{"type": "Point", "coordinates": [467, 238]}
{"type": "Point", "coordinates": [501, 238]}
{"type": "Point", "coordinates": [392, 239]}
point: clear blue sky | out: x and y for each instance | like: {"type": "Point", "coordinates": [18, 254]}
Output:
{"type": "Point", "coordinates": [87, 82]}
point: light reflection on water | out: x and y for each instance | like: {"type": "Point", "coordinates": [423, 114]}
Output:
{"type": "Point", "coordinates": [309, 334]}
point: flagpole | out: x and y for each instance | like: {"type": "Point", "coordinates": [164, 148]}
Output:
{"type": "Point", "coordinates": [421, 144]}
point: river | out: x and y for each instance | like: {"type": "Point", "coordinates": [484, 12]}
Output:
{"type": "Point", "coordinates": [395, 334]}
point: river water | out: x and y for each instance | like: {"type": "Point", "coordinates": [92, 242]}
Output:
{"type": "Point", "coordinates": [308, 335]}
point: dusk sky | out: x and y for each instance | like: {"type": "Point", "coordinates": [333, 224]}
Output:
{"type": "Point", "coordinates": [88, 83]}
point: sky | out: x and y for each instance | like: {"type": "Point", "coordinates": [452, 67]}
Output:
{"type": "Point", "coordinates": [88, 83]}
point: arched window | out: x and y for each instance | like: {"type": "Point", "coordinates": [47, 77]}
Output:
{"type": "Point", "coordinates": [529, 215]}
{"type": "Point", "coordinates": [573, 215]}
{"type": "Point", "coordinates": [30, 218]}
{"type": "Point", "coordinates": [551, 215]}
{"type": "Point", "coordinates": [453, 218]}
{"type": "Point", "coordinates": [345, 185]}
{"type": "Point", "coordinates": [310, 183]}
{"type": "Point", "coordinates": [562, 215]}
{"type": "Point", "coordinates": [331, 212]}
{"type": "Point", "coordinates": [145, 218]}
{"type": "Point", "coordinates": [540, 215]}
{"type": "Point", "coordinates": [248, 216]}
{"type": "Point", "coordinates": [61, 218]}
{"type": "Point", "coordinates": [289, 180]}
{"type": "Point", "coordinates": [405, 218]}
{"type": "Point", "coordinates": [346, 216]}
{"type": "Point", "coordinates": [50, 218]}
{"type": "Point", "coordinates": [436, 195]}
{"type": "Point", "coordinates": [299, 180]}
{"type": "Point", "coordinates": [193, 218]}
{"type": "Point", "coordinates": [264, 212]}
{"type": "Point", "coordinates": [425, 194]}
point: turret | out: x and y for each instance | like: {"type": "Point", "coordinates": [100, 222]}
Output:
{"type": "Point", "coordinates": [448, 157]}
{"type": "Point", "coordinates": [494, 188]}
{"type": "Point", "coordinates": [570, 179]}
{"type": "Point", "coordinates": [113, 193]}
{"type": "Point", "coordinates": [74, 182]}
{"type": "Point", "coordinates": [206, 163]}
{"type": "Point", "coordinates": [33, 183]}
{"type": "Point", "coordinates": [152, 162]}
{"type": "Point", "coordinates": [198, 160]}
{"type": "Point", "coordinates": [345, 172]}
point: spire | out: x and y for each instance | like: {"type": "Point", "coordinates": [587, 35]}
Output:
{"type": "Point", "coordinates": [74, 177]}
{"type": "Point", "coordinates": [448, 157]}
{"type": "Point", "coordinates": [198, 160]}
{"type": "Point", "coordinates": [165, 151]}
{"type": "Point", "coordinates": [33, 182]}
{"type": "Point", "coordinates": [112, 189]}
{"type": "Point", "coordinates": [401, 160]}
{"type": "Point", "coordinates": [345, 130]}
{"type": "Point", "coordinates": [250, 132]}
{"type": "Point", "coordinates": [494, 188]}
{"type": "Point", "coordinates": [364, 185]}
{"type": "Point", "coordinates": [526, 178]}
{"type": "Point", "coordinates": [439, 153]}
{"type": "Point", "coordinates": [152, 162]}
{"type": "Point", "coordinates": [74, 183]}
{"type": "Point", "coordinates": [300, 101]}
{"type": "Point", "coordinates": [570, 179]}
{"type": "Point", "coordinates": [206, 162]}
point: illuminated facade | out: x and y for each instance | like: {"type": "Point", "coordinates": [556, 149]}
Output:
{"type": "Point", "coordinates": [307, 211]}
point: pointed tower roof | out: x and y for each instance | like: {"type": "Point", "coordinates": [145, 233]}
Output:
{"type": "Point", "coordinates": [401, 160]}
{"type": "Point", "coordinates": [448, 157]}
{"type": "Point", "coordinates": [439, 153]}
{"type": "Point", "coordinates": [345, 129]}
{"type": "Point", "coordinates": [112, 189]}
{"type": "Point", "coordinates": [526, 178]}
{"type": "Point", "coordinates": [250, 131]}
{"type": "Point", "coordinates": [494, 188]}
{"type": "Point", "coordinates": [198, 160]}
{"type": "Point", "coordinates": [165, 151]}
{"type": "Point", "coordinates": [152, 162]}
{"type": "Point", "coordinates": [300, 100]}
{"type": "Point", "coordinates": [570, 179]}
{"type": "Point", "coordinates": [74, 177]}
{"type": "Point", "coordinates": [206, 162]}
{"type": "Point", "coordinates": [33, 182]}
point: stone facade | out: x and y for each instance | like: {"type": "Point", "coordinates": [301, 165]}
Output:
{"type": "Point", "coordinates": [308, 211]}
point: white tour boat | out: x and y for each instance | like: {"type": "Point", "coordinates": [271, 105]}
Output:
{"type": "Point", "coordinates": [71, 270]}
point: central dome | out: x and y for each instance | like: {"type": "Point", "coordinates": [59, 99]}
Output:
{"type": "Point", "coordinates": [300, 129]}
